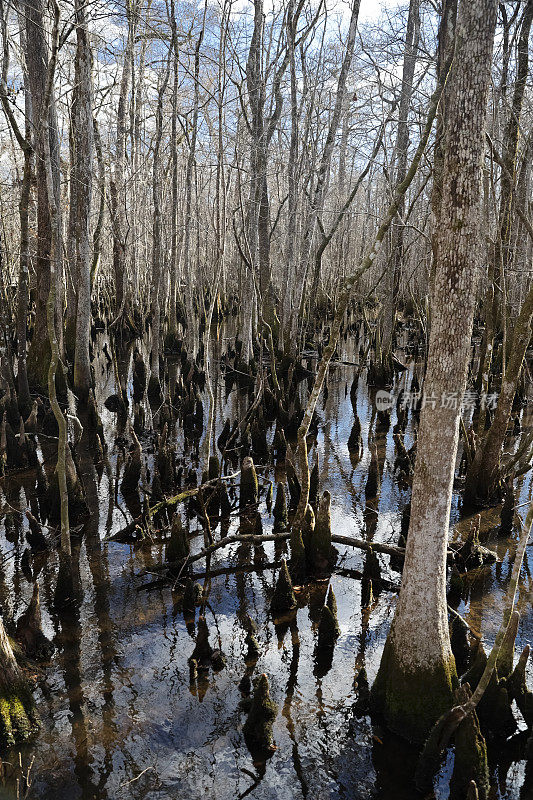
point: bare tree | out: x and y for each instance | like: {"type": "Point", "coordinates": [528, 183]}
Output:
{"type": "Point", "coordinates": [82, 178]}
{"type": "Point", "coordinates": [414, 685]}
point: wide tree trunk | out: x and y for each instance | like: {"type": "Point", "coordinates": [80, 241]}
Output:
{"type": "Point", "coordinates": [417, 671]}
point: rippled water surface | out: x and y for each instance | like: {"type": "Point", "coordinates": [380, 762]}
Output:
{"type": "Point", "coordinates": [120, 718]}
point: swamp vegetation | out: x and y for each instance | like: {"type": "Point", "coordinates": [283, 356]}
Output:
{"type": "Point", "coordinates": [266, 429]}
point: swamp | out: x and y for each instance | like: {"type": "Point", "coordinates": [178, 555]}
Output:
{"type": "Point", "coordinates": [266, 418]}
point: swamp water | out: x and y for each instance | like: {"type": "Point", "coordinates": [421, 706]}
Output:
{"type": "Point", "coordinates": [120, 718]}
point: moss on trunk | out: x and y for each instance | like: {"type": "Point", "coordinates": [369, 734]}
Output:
{"type": "Point", "coordinates": [18, 714]}
{"type": "Point", "coordinates": [411, 702]}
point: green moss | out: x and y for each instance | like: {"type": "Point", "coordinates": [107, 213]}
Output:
{"type": "Point", "coordinates": [412, 701]}
{"type": "Point", "coordinates": [18, 716]}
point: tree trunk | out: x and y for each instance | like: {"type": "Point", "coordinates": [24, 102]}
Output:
{"type": "Point", "coordinates": [37, 62]}
{"type": "Point", "coordinates": [192, 319]}
{"type": "Point", "coordinates": [83, 134]}
{"type": "Point", "coordinates": [117, 185]}
{"type": "Point", "coordinates": [484, 474]}
{"type": "Point", "coordinates": [24, 140]}
{"type": "Point", "coordinates": [414, 685]}
{"type": "Point", "coordinates": [412, 39]}
{"type": "Point", "coordinates": [157, 249]}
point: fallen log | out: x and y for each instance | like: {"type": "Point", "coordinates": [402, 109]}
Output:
{"type": "Point", "coordinates": [255, 539]}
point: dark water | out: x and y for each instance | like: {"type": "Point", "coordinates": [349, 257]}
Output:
{"type": "Point", "coordinates": [120, 719]}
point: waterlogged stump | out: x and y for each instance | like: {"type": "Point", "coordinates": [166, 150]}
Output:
{"type": "Point", "coordinates": [283, 599]}
{"type": "Point", "coordinates": [355, 440]}
{"type": "Point", "coordinates": [281, 516]}
{"type": "Point", "coordinates": [472, 554]}
{"type": "Point", "coordinates": [29, 632]}
{"type": "Point", "coordinates": [470, 753]}
{"type": "Point", "coordinates": [253, 648]}
{"type": "Point", "coordinates": [258, 728]}
{"type": "Point", "coordinates": [178, 547]}
{"type": "Point", "coordinates": [373, 483]}
{"type": "Point", "coordinates": [328, 628]}
{"type": "Point", "coordinates": [249, 493]}
{"type": "Point", "coordinates": [297, 562]}
{"type": "Point", "coordinates": [132, 469]}
{"type": "Point", "coordinates": [293, 484]}
{"type": "Point", "coordinates": [308, 528]}
{"type": "Point", "coordinates": [68, 592]}
{"type": "Point", "coordinates": [191, 597]}
{"type": "Point", "coordinates": [203, 654]}
{"type": "Point", "coordinates": [320, 551]}
{"type": "Point", "coordinates": [494, 709]}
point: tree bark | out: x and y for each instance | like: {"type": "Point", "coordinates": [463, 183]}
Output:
{"type": "Point", "coordinates": [83, 135]}
{"type": "Point", "coordinates": [415, 682]}
{"type": "Point", "coordinates": [37, 62]}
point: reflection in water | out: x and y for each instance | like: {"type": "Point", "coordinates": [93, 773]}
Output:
{"type": "Point", "coordinates": [122, 714]}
